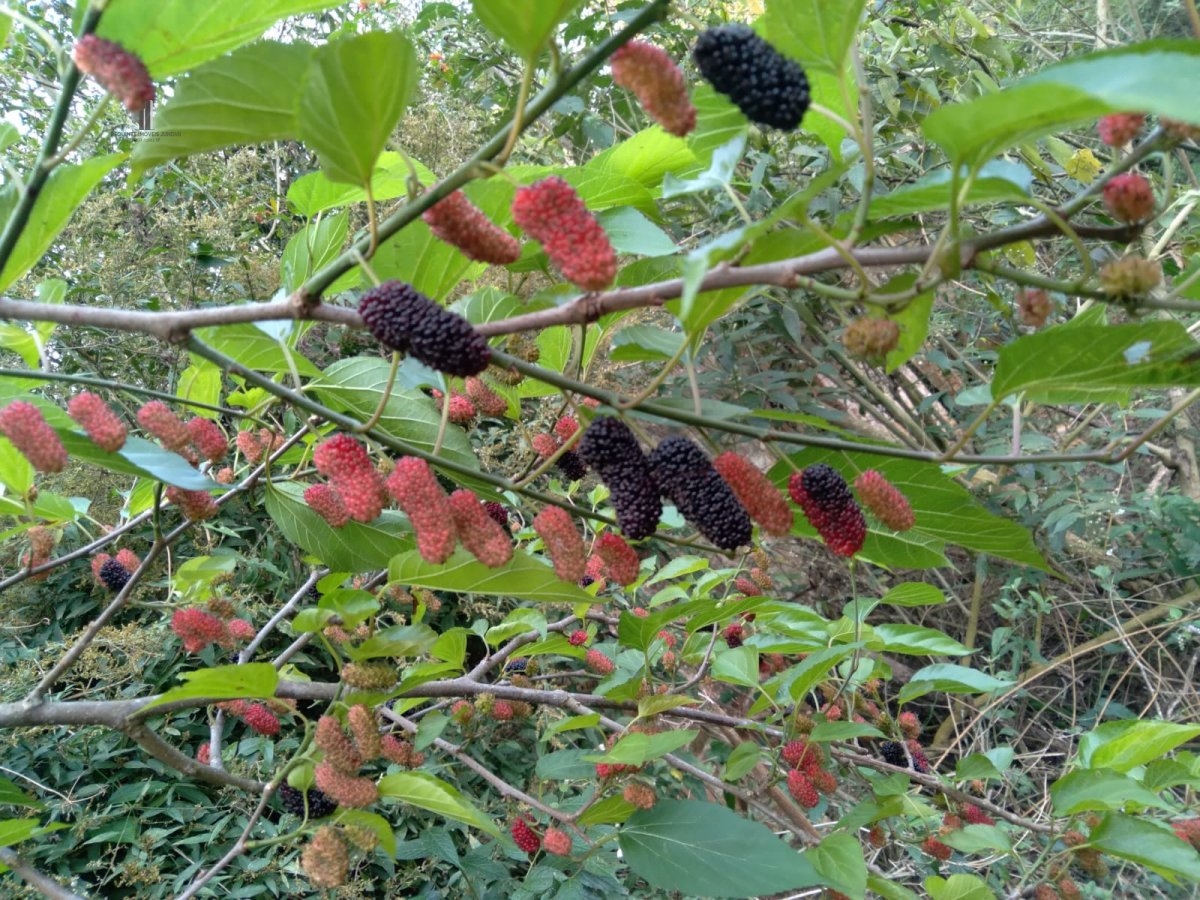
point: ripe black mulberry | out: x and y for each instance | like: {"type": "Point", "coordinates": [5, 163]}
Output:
{"type": "Point", "coordinates": [688, 479]}
{"type": "Point", "coordinates": [609, 447]}
{"type": "Point", "coordinates": [402, 318]}
{"type": "Point", "coordinates": [768, 87]}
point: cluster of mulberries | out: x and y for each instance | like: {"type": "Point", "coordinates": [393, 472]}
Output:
{"type": "Point", "coordinates": [157, 418]}
{"type": "Point", "coordinates": [457, 221]}
{"type": "Point", "coordinates": [765, 85]}
{"type": "Point", "coordinates": [415, 488]}
{"type": "Point", "coordinates": [313, 800]}
{"type": "Point", "coordinates": [486, 400]}
{"type": "Point", "coordinates": [402, 318]}
{"type": "Point", "coordinates": [609, 447]}
{"type": "Point", "coordinates": [829, 506]}
{"type": "Point", "coordinates": [658, 83]}
{"type": "Point", "coordinates": [524, 837]}
{"type": "Point", "coordinates": [114, 572]}
{"type": "Point", "coordinates": [197, 506]}
{"type": "Point", "coordinates": [1119, 129]}
{"type": "Point", "coordinates": [478, 531]}
{"type": "Point", "coordinates": [197, 629]}
{"type": "Point", "coordinates": [621, 561]}
{"type": "Point", "coordinates": [762, 500]}
{"type": "Point", "coordinates": [118, 71]}
{"type": "Point", "coordinates": [871, 339]}
{"type": "Point", "coordinates": [687, 478]}
{"type": "Point", "coordinates": [23, 424]}
{"type": "Point", "coordinates": [98, 421]}
{"type": "Point", "coordinates": [564, 545]}
{"type": "Point", "coordinates": [257, 445]}
{"type": "Point", "coordinates": [884, 500]}
{"type": "Point", "coordinates": [326, 859]}
{"type": "Point", "coordinates": [551, 212]}
{"type": "Point", "coordinates": [345, 462]}
{"type": "Point", "coordinates": [1129, 197]}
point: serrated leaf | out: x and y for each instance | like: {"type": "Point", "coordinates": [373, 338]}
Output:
{"type": "Point", "coordinates": [637, 748]}
{"type": "Point", "coordinates": [708, 850]}
{"type": "Point", "coordinates": [223, 683]}
{"type": "Point", "coordinates": [1144, 843]}
{"type": "Point", "coordinates": [524, 26]}
{"type": "Point", "coordinates": [423, 791]}
{"type": "Point", "coordinates": [523, 577]}
{"type": "Point", "coordinates": [355, 547]}
{"type": "Point", "coordinates": [839, 860]}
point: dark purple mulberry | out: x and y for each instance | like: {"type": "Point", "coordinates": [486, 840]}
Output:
{"type": "Point", "coordinates": [114, 575]}
{"type": "Point", "coordinates": [572, 465]}
{"type": "Point", "coordinates": [497, 511]}
{"type": "Point", "coordinates": [402, 318]}
{"type": "Point", "coordinates": [830, 507]}
{"type": "Point", "coordinates": [893, 752]}
{"type": "Point", "coordinates": [687, 478]}
{"type": "Point", "coordinates": [319, 804]}
{"type": "Point", "coordinates": [609, 447]}
{"type": "Point", "coordinates": [768, 87]}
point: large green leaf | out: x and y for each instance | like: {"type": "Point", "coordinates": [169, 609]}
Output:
{"type": "Point", "coordinates": [523, 577]}
{"type": "Point", "coordinates": [355, 547]}
{"type": "Point", "coordinates": [256, 348]}
{"type": "Point", "coordinates": [315, 192]}
{"type": "Point", "coordinates": [247, 97]}
{"type": "Point", "coordinates": [172, 36]}
{"type": "Point", "coordinates": [1147, 844]}
{"type": "Point", "coordinates": [1082, 363]}
{"type": "Point", "coordinates": [951, 679]}
{"type": "Point", "coordinates": [312, 247]}
{"type": "Point", "coordinates": [356, 385]}
{"type": "Point", "coordinates": [423, 791]}
{"type": "Point", "coordinates": [524, 26]}
{"type": "Point", "coordinates": [1126, 745]}
{"type": "Point", "coordinates": [61, 195]}
{"type": "Point", "coordinates": [1099, 789]}
{"type": "Point", "coordinates": [646, 157]}
{"type": "Point", "coordinates": [996, 182]}
{"type": "Point", "coordinates": [223, 683]}
{"type": "Point", "coordinates": [1154, 77]}
{"type": "Point", "coordinates": [816, 32]}
{"type": "Point", "coordinates": [357, 88]}
{"type": "Point", "coordinates": [944, 510]}
{"type": "Point", "coordinates": [839, 860]}
{"type": "Point", "coordinates": [708, 850]}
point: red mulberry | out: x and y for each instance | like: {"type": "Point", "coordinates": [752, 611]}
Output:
{"type": "Point", "coordinates": [937, 849]}
{"type": "Point", "coordinates": [261, 719]}
{"type": "Point", "coordinates": [197, 629]}
{"type": "Point", "coordinates": [102, 425]}
{"type": "Point", "coordinates": [685, 476]}
{"type": "Point", "coordinates": [23, 424]}
{"type": "Point", "coordinates": [345, 462]}
{"type": "Point", "coordinates": [118, 71]}
{"type": "Point", "coordinates": [765, 85]}
{"type": "Point", "coordinates": [1129, 197]}
{"type": "Point", "coordinates": [195, 505]}
{"type": "Point", "coordinates": [402, 318]}
{"type": "Point", "coordinates": [563, 542]}
{"type": "Point", "coordinates": [478, 531]}
{"type": "Point", "coordinates": [485, 399]}
{"type": "Point", "coordinates": [621, 561]}
{"type": "Point", "coordinates": [802, 789]}
{"type": "Point", "coordinates": [460, 223]}
{"type": "Point", "coordinates": [326, 502]}
{"type": "Point", "coordinates": [566, 427]}
{"type": "Point", "coordinates": [524, 837]}
{"type": "Point", "coordinates": [1119, 129]}
{"type": "Point", "coordinates": [597, 662]}
{"type": "Point", "coordinates": [658, 84]}
{"type": "Point", "coordinates": [208, 438]}
{"type": "Point", "coordinates": [884, 500]}
{"type": "Point", "coordinates": [461, 410]}
{"type": "Point", "coordinates": [497, 511]}
{"type": "Point", "coordinates": [339, 750]}
{"type": "Point", "coordinates": [829, 506]}
{"type": "Point", "coordinates": [159, 421]}
{"type": "Point", "coordinates": [551, 212]}
{"type": "Point", "coordinates": [610, 448]}
{"type": "Point", "coordinates": [577, 638]}
{"type": "Point", "coordinates": [416, 491]}
{"type": "Point", "coordinates": [762, 500]}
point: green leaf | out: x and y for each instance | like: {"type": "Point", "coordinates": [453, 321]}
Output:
{"type": "Point", "coordinates": [374, 823]}
{"type": "Point", "coordinates": [958, 887]}
{"type": "Point", "coordinates": [737, 665]}
{"type": "Point", "coordinates": [889, 889]}
{"type": "Point", "coordinates": [223, 683]}
{"type": "Point", "coordinates": [637, 749]}
{"type": "Point", "coordinates": [646, 157]}
{"type": "Point", "coordinates": [643, 343]}
{"type": "Point", "coordinates": [311, 248]}
{"type": "Point", "coordinates": [708, 850]}
{"type": "Point", "coordinates": [1144, 843]}
{"type": "Point", "coordinates": [11, 795]}
{"type": "Point", "coordinates": [741, 761]}
{"type": "Point", "coordinates": [523, 577]}
{"type": "Point", "coordinates": [248, 97]}
{"type": "Point", "coordinates": [913, 593]}
{"type": "Point", "coordinates": [21, 342]}
{"type": "Point", "coordinates": [1084, 364]}
{"type": "Point", "coordinates": [524, 26]}
{"type": "Point", "coordinates": [823, 732]}
{"type": "Point", "coordinates": [915, 639]}
{"type": "Point", "coordinates": [356, 385]}
{"type": "Point", "coordinates": [631, 232]}
{"type": "Point", "coordinates": [315, 193]}
{"type": "Point", "coordinates": [172, 36]}
{"type": "Point", "coordinates": [1122, 746]}
{"type": "Point", "coordinates": [839, 860]}
{"type": "Point", "coordinates": [201, 383]}
{"type": "Point", "coordinates": [13, 831]}
{"type": "Point", "coordinates": [816, 32]}
{"type": "Point", "coordinates": [255, 349]}
{"type": "Point", "coordinates": [398, 641]}
{"type": "Point", "coordinates": [355, 547]}
{"type": "Point", "coordinates": [64, 190]}
{"type": "Point", "coordinates": [979, 839]}
{"type": "Point", "coordinates": [997, 182]}
{"type": "Point", "coordinates": [610, 810]}
{"type": "Point", "coordinates": [1153, 77]}
{"type": "Point", "coordinates": [913, 320]}
{"type": "Point", "coordinates": [357, 88]}
{"type": "Point", "coordinates": [951, 679]}
{"type": "Point", "coordinates": [1099, 789]}
{"type": "Point", "coordinates": [426, 792]}
{"type": "Point", "coordinates": [984, 765]}
{"type": "Point", "coordinates": [142, 458]}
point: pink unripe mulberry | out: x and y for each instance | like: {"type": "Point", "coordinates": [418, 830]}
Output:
{"type": "Point", "coordinates": [250, 446]}
{"type": "Point", "coordinates": [557, 842]}
{"type": "Point", "coordinates": [658, 84]}
{"type": "Point", "coordinates": [128, 559]}
{"type": "Point", "coordinates": [23, 424]}
{"type": "Point", "coordinates": [197, 628]}
{"type": "Point", "coordinates": [486, 400]}
{"type": "Point", "coordinates": [551, 212]}
{"type": "Point", "coordinates": [937, 849]}
{"type": "Point", "coordinates": [597, 662]}
{"type": "Point", "coordinates": [157, 419]}
{"type": "Point", "coordinates": [339, 751]}
{"type": "Point", "coordinates": [975, 816]}
{"type": "Point", "coordinates": [566, 427]}
{"type": "Point", "coordinates": [326, 502]}
{"type": "Point", "coordinates": [502, 711]}
{"type": "Point", "coordinates": [544, 445]}
{"type": "Point", "coordinates": [208, 438]}
{"type": "Point", "coordinates": [461, 410]}
{"type": "Point", "coordinates": [204, 754]}
{"type": "Point", "coordinates": [621, 561]}
{"type": "Point", "coordinates": [345, 462]}
{"type": "Point", "coordinates": [1034, 306]}
{"type": "Point", "coordinates": [414, 487]}
{"type": "Point", "coordinates": [1119, 129]}
{"type": "Point", "coordinates": [457, 221]}
{"type": "Point", "coordinates": [640, 795]}
{"type": "Point", "coordinates": [347, 790]}
{"type": "Point", "coordinates": [102, 425]}
{"type": "Point", "coordinates": [564, 545]}
{"type": "Point", "coordinates": [478, 531]}
{"type": "Point", "coordinates": [195, 505]}
{"type": "Point", "coordinates": [802, 789]}
{"type": "Point", "coordinates": [261, 719]}
{"type": "Point", "coordinates": [577, 638]}
{"type": "Point", "coordinates": [240, 629]}
{"type": "Point", "coordinates": [884, 499]}
{"type": "Point", "coordinates": [118, 71]}
{"type": "Point", "coordinates": [909, 724]}
{"type": "Point", "coordinates": [1129, 197]}
{"type": "Point", "coordinates": [763, 501]}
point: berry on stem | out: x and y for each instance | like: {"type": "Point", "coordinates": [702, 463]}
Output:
{"type": "Point", "coordinates": [552, 213]}
{"type": "Point", "coordinates": [402, 318]}
{"type": "Point", "coordinates": [768, 87]}
{"type": "Point", "coordinates": [658, 83]}
{"type": "Point", "coordinates": [459, 222]}
{"type": "Point", "coordinates": [23, 424]}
